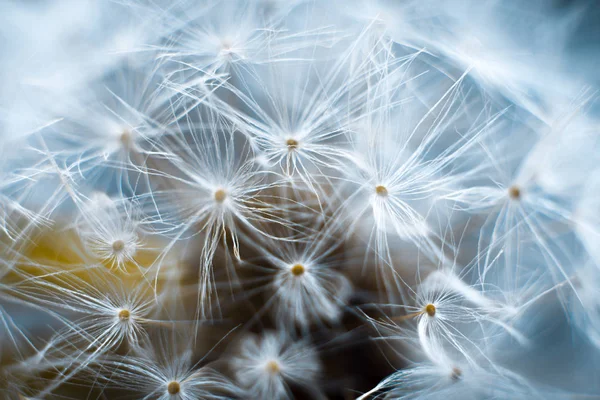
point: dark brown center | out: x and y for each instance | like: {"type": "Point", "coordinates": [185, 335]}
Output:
{"type": "Point", "coordinates": [173, 388]}
{"type": "Point", "coordinates": [430, 309]}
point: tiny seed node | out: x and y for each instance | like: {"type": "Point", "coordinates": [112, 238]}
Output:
{"type": "Point", "coordinates": [124, 315]}
{"type": "Point", "coordinates": [273, 367]}
{"type": "Point", "coordinates": [292, 144]}
{"type": "Point", "coordinates": [226, 45]}
{"type": "Point", "coordinates": [126, 138]}
{"type": "Point", "coordinates": [297, 269]}
{"type": "Point", "coordinates": [381, 190]}
{"type": "Point", "coordinates": [118, 246]}
{"type": "Point", "coordinates": [514, 192]}
{"type": "Point", "coordinates": [220, 195]}
{"type": "Point", "coordinates": [430, 309]}
{"type": "Point", "coordinates": [456, 374]}
{"type": "Point", "coordinates": [173, 388]}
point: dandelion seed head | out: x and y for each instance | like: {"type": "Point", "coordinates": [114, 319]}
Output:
{"type": "Point", "coordinates": [109, 230]}
{"type": "Point", "coordinates": [271, 149]}
{"type": "Point", "coordinates": [117, 252]}
{"type": "Point", "coordinates": [266, 366]}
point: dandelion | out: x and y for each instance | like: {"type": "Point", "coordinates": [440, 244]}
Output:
{"type": "Point", "coordinates": [197, 196]}
{"type": "Point", "coordinates": [266, 365]}
{"type": "Point", "coordinates": [112, 134]}
{"type": "Point", "coordinates": [431, 381]}
{"type": "Point", "coordinates": [111, 231]}
{"type": "Point", "coordinates": [230, 37]}
{"type": "Point", "coordinates": [453, 320]}
{"type": "Point", "coordinates": [218, 191]}
{"type": "Point", "coordinates": [165, 371]}
{"type": "Point", "coordinates": [393, 192]}
{"type": "Point", "coordinates": [300, 126]}
{"type": "Point", "coordinates": [104, 312]}
{"type": "Point", "coordinates": [303, 280]}
{"type": "Point", "coordinates": [519, 209]}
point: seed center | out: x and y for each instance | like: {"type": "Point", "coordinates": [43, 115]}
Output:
{"type": "Point", "coordinates": [126, 138]}
{"type": "Point", "coordinates": [226, 46]}
{"type": "Point", "coordinates": [430, 309]}
{"type": "Point", "coordinates": [220, 195]}
{"type": "Point", "coordinates": [381, 190]}
{"type": "Point", "coordinates": [297, 269]}
{"type": "Point", "coordinates": [292, 144]}
{"type": "Point", "coordinates": [456, 374]}
{"type": "Point", "coordinates": [514, 192]}
{"type": "Point", "coordinates": [173, 387]}
{"type": "Point", "coordinates": [118, 246]}
{"type": "Point", "coordinates": [273, 367]}
{"type": "Point", "coordinates": [124, 315]}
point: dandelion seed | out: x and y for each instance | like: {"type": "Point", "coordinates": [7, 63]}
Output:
{"type": "Point", "coordinates": [164, 370]}
{"type": "Point", "coordinates": [110, 230]}
{"type": "Point", "coordinates": [519, 210]}
{"type": "Point", "coordinates": [301, 128]}
{"type": "Point", "coordinates": [111, 137]}
{"type": "Point", "coordinates": [392, 192]}
{"type": "Point", "coordinates": [219, 191]}
{"type": "Point", "coordinates": [267, 365]}
{"type": "Point", "coordinates": [431, 380]}
{"type": "Point", "coordinates": [232, 38]}
{"type": "Point", "coordinates": [454, 322]}
{"type": "Point", "coordinates": [303, 281]}
{"type": "Point", "coordinates": [110, 313]}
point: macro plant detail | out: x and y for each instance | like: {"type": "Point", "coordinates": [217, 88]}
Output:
{"type": "Point", "coordinates": [301, 199]}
